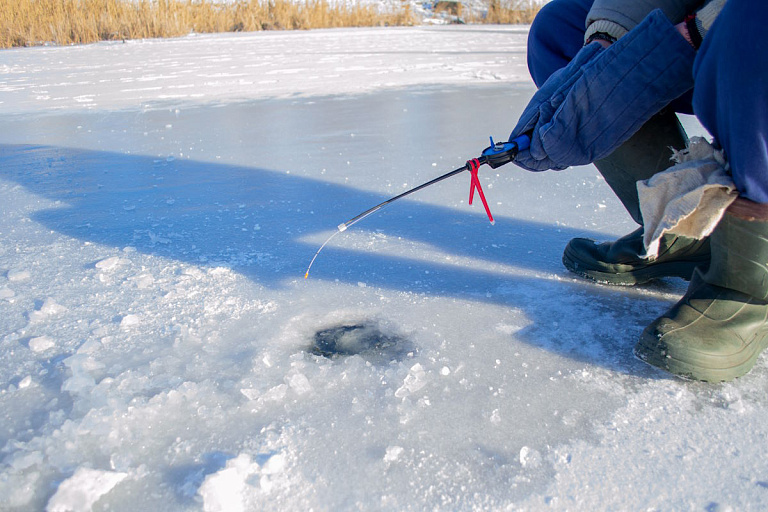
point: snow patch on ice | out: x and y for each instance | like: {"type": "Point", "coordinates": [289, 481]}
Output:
{"type": "Point", "coordinates": [48, 308]}
{"type": "Point", "coordinates": [17, 276]}
{"type": "Point", "coordinates": [414, 381]}
{"type": "Point", "coordinates": [507, 329]}
{"type": "Point", "coordinates": [224, 490]}
{"type": "Point", "coordinates": [111, 263]}
{"type": "Point", "coordinates": [17, 488]}
{"type": "Point", "coordinates": [275, 394]}
{"type": "Point", "coordinates": [299, 383]}
{"type": "Point", "coordinates": [83, 489]}
{"type": "Point", "coordinates": [237, 486]}
{"type": "Point", "coordinates": [25, 382]}
{"type": "Point", "coordinates": [144, 281]}
{"type": "Point", "coordinates": [41, 343]}
{"type": "Point", "coordinates": [83, 369]}
{"type": "Point", "coordinates": [393, 453]}
{"type": "Point", "coordinates": [129, 321]}
{"type": "Point", "coordinates": [529, 457]}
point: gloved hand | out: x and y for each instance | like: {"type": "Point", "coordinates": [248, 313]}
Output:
{"type": "Point", "coordinates": [589, 108]}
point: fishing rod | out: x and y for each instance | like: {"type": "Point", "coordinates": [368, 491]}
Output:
{"type": "Point", "coordinates": [495, 155]}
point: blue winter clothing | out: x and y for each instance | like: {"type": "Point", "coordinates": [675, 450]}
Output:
{"type": "Point", "coordinates": [556, 36]}
{"type": "Point", "coordinates": [731, 94]}
{"type": "Point", "coordinates": [604, 96]}
{"type": "Point", "coordinates": [543, 106]}
{"type": "Point", "coordinates": [730, 74]}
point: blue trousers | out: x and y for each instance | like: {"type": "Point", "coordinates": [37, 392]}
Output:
{"type": "Point", "coordinates": [730, 97]}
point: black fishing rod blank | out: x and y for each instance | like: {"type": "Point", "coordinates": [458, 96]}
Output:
{"type": "Point", "coordinates": [495, 155]}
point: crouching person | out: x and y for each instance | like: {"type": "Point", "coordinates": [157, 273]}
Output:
{"type": "Point", "coordinates": [611, 75]}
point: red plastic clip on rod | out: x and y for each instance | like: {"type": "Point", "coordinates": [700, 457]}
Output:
{"type": "Point", "coordinates": [473, 166]}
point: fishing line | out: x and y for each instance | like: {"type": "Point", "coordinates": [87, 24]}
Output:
{"type": "Point", "coordinates": [496, 155]}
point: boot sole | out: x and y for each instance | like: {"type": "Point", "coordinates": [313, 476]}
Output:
{"type": "Point", "coordinates": [681, 269]}
{"type": "Point", "coordinates": [706, 368]}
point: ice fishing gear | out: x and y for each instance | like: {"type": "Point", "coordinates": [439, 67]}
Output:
{"type": "Point", "coordinates": [495, 155]}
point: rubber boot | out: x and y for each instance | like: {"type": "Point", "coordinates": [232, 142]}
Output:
{"type": "Point", "coordinates": [720, 326]}
{"type": "Point", "coordinates": [621, 262]}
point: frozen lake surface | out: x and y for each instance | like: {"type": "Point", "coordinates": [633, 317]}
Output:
{"type": "Point", "coordinates": [160, 349]}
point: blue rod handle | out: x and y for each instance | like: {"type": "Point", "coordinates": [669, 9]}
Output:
{"type": "Point", "coordinates": [523, 142]}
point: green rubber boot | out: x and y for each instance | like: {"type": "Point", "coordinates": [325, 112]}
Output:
{"type": "Point", "coordinates": [620, 262]}
{"type": "Point", "coordinates": [718, 329]}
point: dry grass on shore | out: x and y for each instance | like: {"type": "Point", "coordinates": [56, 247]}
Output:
{"type": "Point", "coordinates": [33, 22]}
{"type": "Point", "coordinates": [62, 22]}
{"type": "Point", "coordinates": [509, 14]}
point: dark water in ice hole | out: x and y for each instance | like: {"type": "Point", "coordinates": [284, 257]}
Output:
{"type": "Point", "coordinates": [366, 339]}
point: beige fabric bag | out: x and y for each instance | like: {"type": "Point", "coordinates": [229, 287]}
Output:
{"type": "Point", "coordinates": [689, 198]}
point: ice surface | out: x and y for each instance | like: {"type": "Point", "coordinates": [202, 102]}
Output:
{"type": "Point", "coordinates": [156, 335]}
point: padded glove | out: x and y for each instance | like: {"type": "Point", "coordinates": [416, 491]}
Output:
{"type": "Point", "coordinates": [589, 108]}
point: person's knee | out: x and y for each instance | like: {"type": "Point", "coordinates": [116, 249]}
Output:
{"type": "Point", "coordinates": [544, 22]}
{"type": "Point", "coordinates": [556, 35]}
{"type": "Point", "coordinates": [540, 37]}
{"type": "Point", "coordinates": [730, 98]}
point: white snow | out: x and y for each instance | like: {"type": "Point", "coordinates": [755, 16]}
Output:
{"type": "Point", "coordinates": [159, 203]}
{"type": "Point", "coordinates": [109, 263]}
{"type": "Point", "coordinates": [41, 343]}
{"type": "Point", "coordinates": [83, 489]}
{"type": "Point", "coordinates": [393, 453]}
{"type": "Point", "coordinates": [223, 491]}
{"type": "Point", "coordinates": [15, 276]}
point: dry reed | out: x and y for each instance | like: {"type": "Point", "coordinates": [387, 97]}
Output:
{"type": "Point", "coordinates": [36, 22]}
{"type": "Point", "coordinates": [511, 11]}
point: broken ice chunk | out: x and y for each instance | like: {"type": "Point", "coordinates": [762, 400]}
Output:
{"type": "Point", "coordinates": [41, 344]}
{"type": "Point", "coordinates": [83, 489]}
{"type": "Point", "coordinates": [414, 381]}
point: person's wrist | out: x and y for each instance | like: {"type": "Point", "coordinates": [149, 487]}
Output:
{"type": "Point", "coordinates": [683, 30]}
{"type": "Point", "coordinates": [690, 31]}
{"type": "Point", "coordinates": [603, 38]}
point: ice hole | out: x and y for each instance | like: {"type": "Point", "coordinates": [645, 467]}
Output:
{"type": "Point", "coordinates": [366, 339]}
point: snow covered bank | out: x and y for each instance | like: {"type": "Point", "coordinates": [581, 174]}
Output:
{"type": "Point", "coordinates": [158, 342]}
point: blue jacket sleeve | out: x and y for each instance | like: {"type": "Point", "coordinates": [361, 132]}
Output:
{"type": "Point", "coordinates": [593, 105]}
